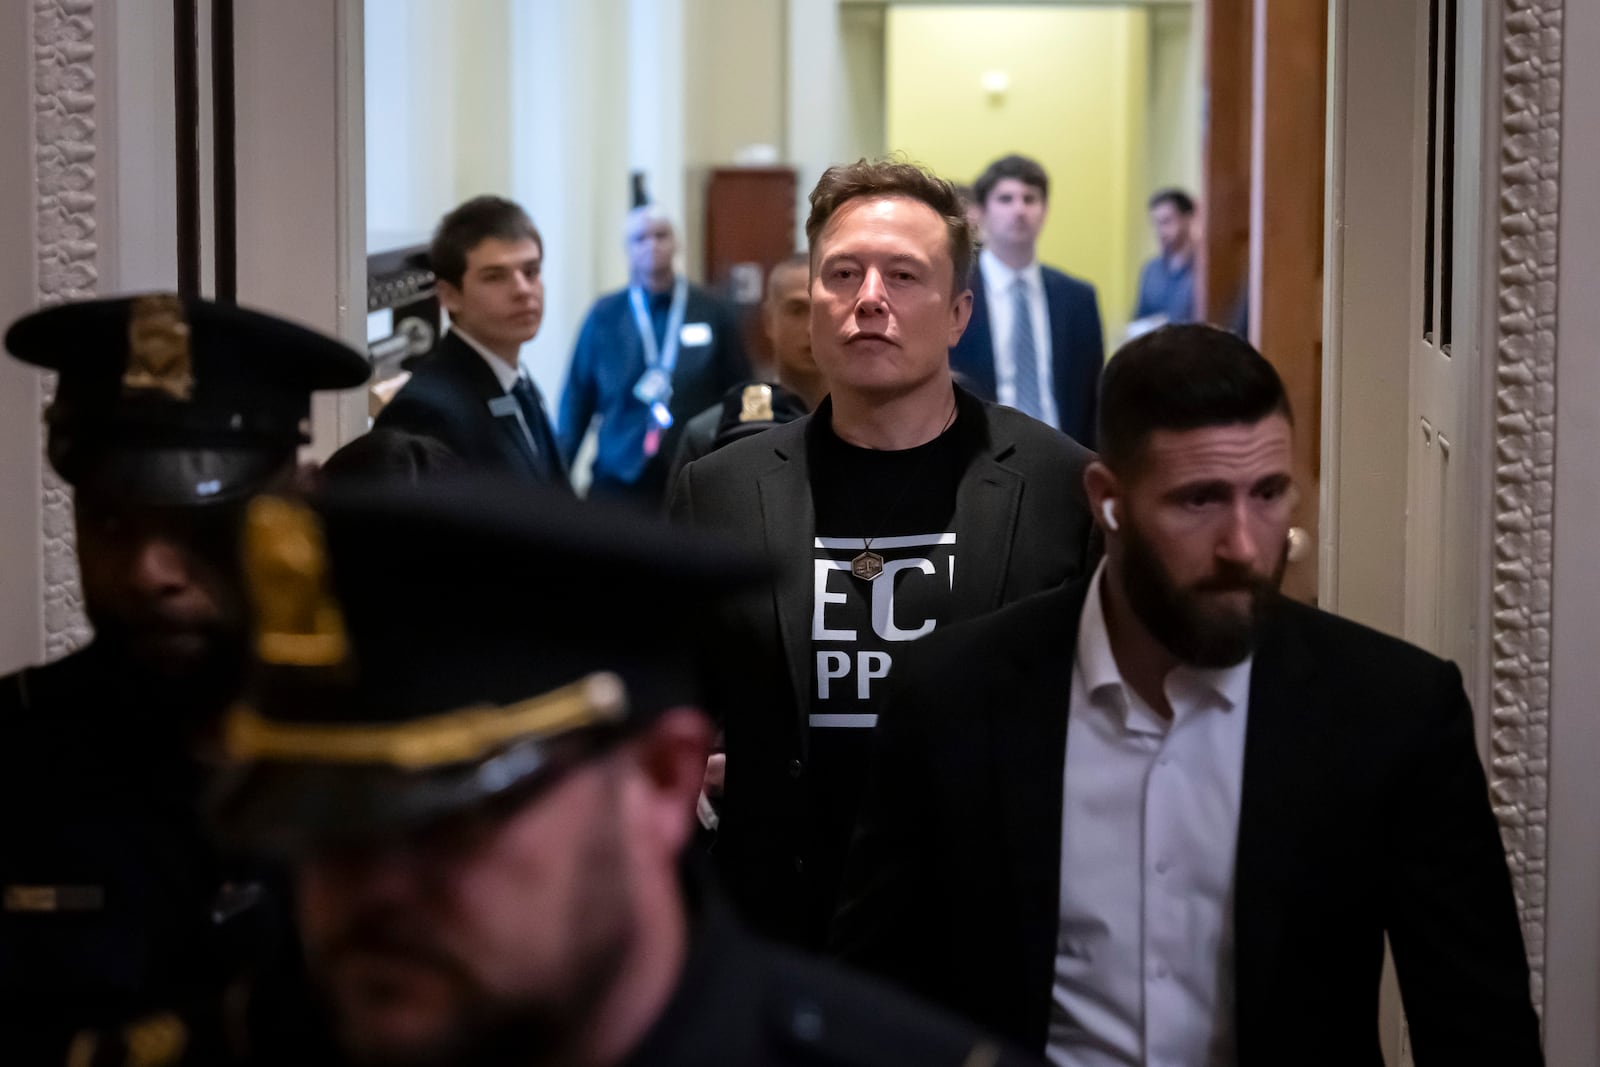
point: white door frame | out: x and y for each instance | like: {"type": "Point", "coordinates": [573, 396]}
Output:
{"type": "Point", "coordinates": [1494, 608]}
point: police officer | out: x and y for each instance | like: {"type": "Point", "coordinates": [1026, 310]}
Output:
{"type": "Point", "coordinates": [169, 414]}
{"type": "Point", "coordinates": [788, 388]}
{"type": "Point", "coordinates": [486, 809]}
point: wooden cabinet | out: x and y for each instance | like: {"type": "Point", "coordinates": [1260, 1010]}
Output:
{"type": "Point", "coordinates": [750, 226]}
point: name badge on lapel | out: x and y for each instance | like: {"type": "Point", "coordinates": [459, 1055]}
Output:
{"type": "Point", "coordinates": [502, 407]}
{"type": "Point", "coordinates": [694, 333]}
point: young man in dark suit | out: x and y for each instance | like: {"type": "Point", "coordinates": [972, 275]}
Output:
{"type": "Point", "coordinates": [1035, 341]}
{"type": "Point", "coordinates": [470, 393]}
{"type": "Point", "coordinates": [1166, 815]}
{"type": "Point", "coordinates": [866, 507]}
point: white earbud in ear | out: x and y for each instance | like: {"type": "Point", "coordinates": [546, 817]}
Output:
{"type": "Point", "coordinates": [1299, 544]}
{"type": "Point", "coordinates": [1109, 512]}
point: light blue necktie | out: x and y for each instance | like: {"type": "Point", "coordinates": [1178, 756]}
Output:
{"type": "Point", "coordinates": [1024, 352]}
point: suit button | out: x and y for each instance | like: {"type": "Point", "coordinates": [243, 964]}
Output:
{"type": "Point", "coordinates": [807, 1023]}
{"type": "Point", "coordinates": [796, 768]}
{"type": "Point", "coordinates": [799, 865]}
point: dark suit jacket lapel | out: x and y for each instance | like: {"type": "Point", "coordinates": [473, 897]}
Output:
{"type": "Point", "coordinates": [1063, 375]}
{"type": "Point", "coordinates": [1028, 760]}
{"type": "Point", "coordinates": [979, 367]}
{"type": "Point", "coordinates": [506, 427]}
{"type": "Point", "coordinates": [789, 523]}
{"type": "Point", "coordinates": [1289, 718]}
{"type": "Point", "coordinates": [987, 501]}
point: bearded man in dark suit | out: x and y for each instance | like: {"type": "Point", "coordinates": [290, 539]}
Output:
{"type": "Point", "coordinates": [1166, 815]}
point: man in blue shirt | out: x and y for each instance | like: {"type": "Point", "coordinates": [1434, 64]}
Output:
{"type": "Point", "coordinates": [649, 358]}
{"type": "Point", "coordinates": [1166, 284]}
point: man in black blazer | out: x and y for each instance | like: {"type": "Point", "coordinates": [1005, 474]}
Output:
{"type": "Point", "coordinates": [866, 507]}
{"type": "Point", "coordinates": [1046, 362]}
{"type": "Point", "coordinates": [470, 393]}
{"type": "Point", "coordinates": [1167, 815]}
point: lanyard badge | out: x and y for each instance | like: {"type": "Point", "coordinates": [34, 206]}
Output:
{"type": "Point", "coordinates": [654, 387]}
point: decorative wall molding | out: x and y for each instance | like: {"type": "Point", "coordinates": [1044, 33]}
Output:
{"type": "Point", "coordinates": [66, 244]}
{"type": "Point", "coordinates": [1524, 449]}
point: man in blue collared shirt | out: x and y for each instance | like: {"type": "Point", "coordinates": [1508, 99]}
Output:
{"type": "Point", "coordinates": [649, 358]}
{"type": "Point", "coordinates": [1166, 284]}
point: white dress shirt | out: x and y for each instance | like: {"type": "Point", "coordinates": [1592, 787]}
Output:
{"type": "Point", "coordinates": [505, 373]}
{"type": "Point", "coordinates": [1149, 828]}
{"type": "Point", "coordinates": [998, 281]}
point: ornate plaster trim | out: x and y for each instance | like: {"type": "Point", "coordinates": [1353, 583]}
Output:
{"type": "Point", "coordinates": [1524, 449]}
{"type": "Point", "coordinates": [66, 246]}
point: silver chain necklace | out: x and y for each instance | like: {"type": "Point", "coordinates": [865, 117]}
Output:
{"type": "Point", "coordinates": [867, 564]}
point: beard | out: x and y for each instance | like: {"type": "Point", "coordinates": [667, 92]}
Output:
{"type": "Point", "coordinates": [1190, 622]}
{"type": "Point", "coordinates": [509, 1029]}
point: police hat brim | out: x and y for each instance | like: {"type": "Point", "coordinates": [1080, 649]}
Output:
{"type": "Point", "coordinates": [290, 809]}
{"type": "Point", "coordinates": [92, 337]}
{"type": "Point", "coordinates": [421, 649]}
{"type": "Point", "coordinates": [179, 477]}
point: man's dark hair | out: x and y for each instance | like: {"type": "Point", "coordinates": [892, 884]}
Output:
{"type": "Point", "coordinates": [1025, 170]}
{"type": "Point", "coordinates": [844, 182]}
{"type": "Point", "coordinates": [470, 225]}
{"type": "Point", "coordinates": [793, 259]}
{"type": "Point", "coordinates": [1182, 378]}
{"type": "Point", "coordinates": [1176, 197]}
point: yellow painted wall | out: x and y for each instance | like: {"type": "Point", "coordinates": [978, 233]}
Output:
{"type": "Point", "coordinates": [1076, 102]}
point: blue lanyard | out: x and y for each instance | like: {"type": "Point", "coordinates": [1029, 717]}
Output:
{"type": "Point", "coordinates": [664, 355]}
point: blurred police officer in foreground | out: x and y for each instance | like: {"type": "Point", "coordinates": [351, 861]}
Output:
{"type": "Point", "coordinates": [168, 415]}
{"type": "Point", "coordinates": [486, 808]}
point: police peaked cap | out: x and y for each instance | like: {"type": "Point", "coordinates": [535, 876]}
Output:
{"type": "Point", "coordinates": [170, 400]}
{"type": "Point", "coordinates": [420, 649]}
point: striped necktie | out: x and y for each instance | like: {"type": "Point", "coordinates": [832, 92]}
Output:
{"type": "Point", "coordinates": [1024, 352]}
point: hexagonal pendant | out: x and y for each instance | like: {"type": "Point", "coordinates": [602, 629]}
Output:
{"type": "Point", "coordinates": [867, 566]}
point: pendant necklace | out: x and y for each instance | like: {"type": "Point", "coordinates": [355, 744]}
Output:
{"type": "Point", "coordinates": [867, 564]}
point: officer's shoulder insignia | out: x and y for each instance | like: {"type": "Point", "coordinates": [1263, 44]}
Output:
{"type": "Point", "coordinates": [158, 347]}
{"type": "Point", "coordinates": [755, 404]}
{"type": "Point", "coordinates": [154, 1041]}
{"type": "Point", "coordinates": [44, 899]}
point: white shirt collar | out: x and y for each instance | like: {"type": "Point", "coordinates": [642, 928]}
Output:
{"type": "Point", "coordinates": [1228, 687]}
{"type": "Point", "coordinates": [504, 372]}
{"type": "Point", "coordinates": [999, 278]}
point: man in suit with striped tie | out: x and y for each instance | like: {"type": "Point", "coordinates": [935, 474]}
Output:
{"type": "Point", "coordinates": [1035, 341]}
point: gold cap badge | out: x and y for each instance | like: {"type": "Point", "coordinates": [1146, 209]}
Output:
{"type": "Point", "coordinates": [158, 347]}
{"type": "Point", "coordinates": [298, 621]}
{"type": "Point", "coordinates": [755, 404]}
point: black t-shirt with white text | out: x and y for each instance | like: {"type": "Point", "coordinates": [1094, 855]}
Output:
{"type": "Point", "coordinates": [901, 505]}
